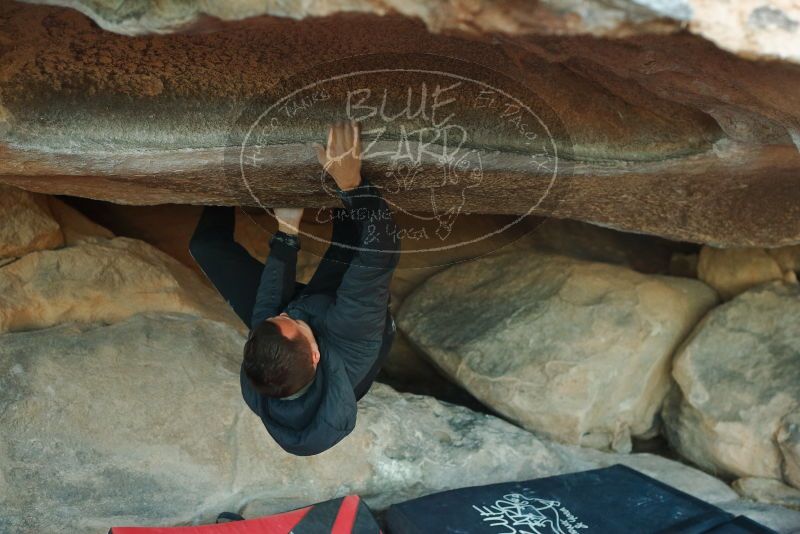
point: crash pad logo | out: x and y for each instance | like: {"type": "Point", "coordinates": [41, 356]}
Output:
{"type": "Point", "coordinates": [442, 139]}
{"type": "Point", "coordinates": [516, 513]}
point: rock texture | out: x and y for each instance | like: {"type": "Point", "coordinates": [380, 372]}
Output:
{"type": "Point", "coordinates": [788, 439]}
{"type": "Point", "coordinates": [141, 422]}
{"type": "Point", "coordinates": [101, 280]}
{"type": "Point", "coordinates": [574, 350]}
{"type": "Point", "coordinates": [26, 224]}
{"type": "Point", "coordinates": [660, 134]}
{"type": "Point", "coordinates": [75, 226]}
{"type": "Point", "coordinates": [768, 490]}
{"type": "Point", "coordinates": [751, 27]}
{"type": "Point", "coordinates": [732, 271]}
{"type": "Point", "coordinates": [777, 518]}
{"type": "Point", "coordinates": [735, 409]}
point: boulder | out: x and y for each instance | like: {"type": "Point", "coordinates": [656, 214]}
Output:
{"type": "Point", "coordinates": [732, 271]}
{"type": "Point", "coordinates": [409, 370]}
{"type": "Point", "coordinates": [75, 226]}
{"type": "Point", "coordinates": [767, 28]}
{"type": "Point", "coordinates": [734, 409]}
{"type": "Point", "coordinates": [101, 280]}
{"type": "Point", "coordinates": [778, 518]}
{"type": "Point", "coordinates": [789, 443]}
{"type": "Point", "coordinates": [768, 490]}
{"type": "Point", "coordinates": [26, 224]}
{"type": "Point", "coordinates": [574, 350]}
{"type": "Point", "coordinates": [660, 134]}
{"type": "Point", "coordinates": [141, 422]}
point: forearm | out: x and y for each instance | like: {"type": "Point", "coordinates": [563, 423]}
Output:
{"type": "Point", "coordinates": [378, 239]}
{"type": "Point", "coordinates": [277, 279]}
{"type": "Point", "coordinates": [363, 296]}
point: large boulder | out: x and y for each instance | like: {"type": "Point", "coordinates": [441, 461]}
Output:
{"type": "Point", "coordinates": [732, 271]}
{"type": "Point", "coordinates": [734, 410]}
{"type": "Point", "coordinates": [663, 134]}
{"type": "Point", "coordinates": [142, 422]}
{"type": "Point", "coordinates": [788, 438]}
{"type": "Point", "coordinates": [778, 518]}
{"type": "Point", "coordinates": [26, 223]}
{"type": "Point", "coordinates": [101, 280]}
{"type": "Point", "coordinates": [575, 350]}
{"type": "Point", "coordinates": [75, 226]}
{"type": "Point", "coordinates": [768, 490]}
{"type": "Point", "coordinates": [767, 28]}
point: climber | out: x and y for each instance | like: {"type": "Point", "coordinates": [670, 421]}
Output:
{"type": "Point", "coordinates": [314, 350]}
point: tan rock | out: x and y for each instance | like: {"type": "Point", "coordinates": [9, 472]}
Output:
{"type": "Point", "coordinates": [101, 280]}
{"type": "Point", "coordinates": [778, 518]}
{"type": "Point", "coordinates": [574, 350]}
{"type": "Point", "coordinates": [142, 423]}
{"type": "Point", "coordinates": [26, 224]}
{"type": "Point", "coordinates": [734, 410]}
{"type": "Point", "coordinates": [788, 439]}
{"type": "Point", "coordinates": [732, 271]}
{"type": "Point", "coordinates": [788, 258]}
{"type": "Point", "coordinates": [768, 490]}
{"type": "Point", "coordinates": [75, 226]}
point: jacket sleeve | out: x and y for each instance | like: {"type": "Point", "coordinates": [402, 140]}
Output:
{"type": "Point", "coordinates": [362, 299]}
{"type": "Point", "coordinates": [277, 279]}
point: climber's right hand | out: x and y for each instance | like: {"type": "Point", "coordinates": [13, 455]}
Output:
{"type": "Point", "coordinates": [342, 157]}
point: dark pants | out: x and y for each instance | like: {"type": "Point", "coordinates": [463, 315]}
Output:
{"type": "Point", "coordinates": [236, 274]}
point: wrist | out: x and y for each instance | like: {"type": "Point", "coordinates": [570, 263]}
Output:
{"type": "Point", "coordinates": [284, 240]}
{"type": "Point", "coordinates": [352, 183]}
{"type": "Point", "coordinates": [288, 229]}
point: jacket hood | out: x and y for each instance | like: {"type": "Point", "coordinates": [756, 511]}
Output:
{"type": "Point", "coordinates": [315, 421]}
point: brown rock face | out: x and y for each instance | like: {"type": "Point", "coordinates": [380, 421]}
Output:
{"type": "Point", "coordinates": [101, 280]}
{"type": "Point", "coordinates": [733, 271]}
{"type": "Point", "coordinates": [659, 134]}
{"type": "Point", "coordinates": [750, 27]}
{"type": "Point", "coordinates": [26, 224]}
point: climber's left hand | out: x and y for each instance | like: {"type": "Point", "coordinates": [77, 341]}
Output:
{"type": "Point", "coordinates": [289, 220]}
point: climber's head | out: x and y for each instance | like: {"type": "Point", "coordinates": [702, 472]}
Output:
{"type": "Point", "coordinates": [281, 356]}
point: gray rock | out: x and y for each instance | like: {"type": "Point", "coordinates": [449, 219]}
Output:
{"type": "Point", "coordinates": [769, 491]}
{"type": "Point", "coordinates": [738, 387]}
{"type": "Point", "coordinates": [777, 518]}
{"type": "Point", "coordinates": [789, 443]}
{"type": "Point", "coordinates": [573, 350]}
{"type": "Point", "coordinates": [141, 422]}
{"type": "Point", "coordinates": [128, 423]}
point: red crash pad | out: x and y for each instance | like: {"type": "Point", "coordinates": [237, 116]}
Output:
{"type": "Point", "coordinates": [347, 515]}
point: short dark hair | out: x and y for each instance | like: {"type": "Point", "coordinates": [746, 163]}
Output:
{"type": "Point", "coordinates": [276, 365]}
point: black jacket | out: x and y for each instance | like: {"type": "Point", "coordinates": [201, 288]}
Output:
{"type": "Point", "coordinates": [346, 305]}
